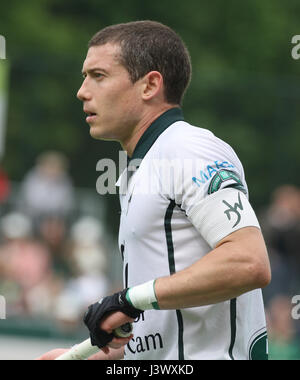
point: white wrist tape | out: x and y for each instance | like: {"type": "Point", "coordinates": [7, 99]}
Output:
{"type": "Point", "coordinates": [222, 213]}
{"type": "Point", "coordinates": [143, 296]}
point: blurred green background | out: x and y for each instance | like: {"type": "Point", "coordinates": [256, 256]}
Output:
{"type": "Point", "coordinates": [245, 85]}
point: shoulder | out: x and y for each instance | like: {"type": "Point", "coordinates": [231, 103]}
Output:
{"type": "Point", "coordinates": [209, 162]}
{"type": "Point", "coordinates": [183, 140]}
{"type": "Point", "coordinates": [183, 132]}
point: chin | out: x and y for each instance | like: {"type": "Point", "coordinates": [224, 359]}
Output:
{"type": "Point", "coordinates": [95, 132]}
{"type": "Point", "coordinates": [98, 134]}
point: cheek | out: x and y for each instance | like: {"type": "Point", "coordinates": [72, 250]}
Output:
{"type": "Point", "coordinates": [125, 104]}
{"type": "Point", "coordinates": [112, 101]}
{"type": "Point", "coordinates": [132, 100]}
{"type": "Point", "coordinates": [118, 101]}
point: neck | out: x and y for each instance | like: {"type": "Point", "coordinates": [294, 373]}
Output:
{"type": "Point", "coordinates": [148, 118]}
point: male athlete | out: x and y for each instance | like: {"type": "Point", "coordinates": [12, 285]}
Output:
{"type": "Point", "coordinates": [194, 256]}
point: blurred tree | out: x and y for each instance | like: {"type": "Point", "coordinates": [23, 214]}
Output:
{"type": "Point", "coordinates": [245, 84]}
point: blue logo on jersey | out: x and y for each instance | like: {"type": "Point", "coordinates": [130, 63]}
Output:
{"type": "Point", "coordinates": [210, 171]}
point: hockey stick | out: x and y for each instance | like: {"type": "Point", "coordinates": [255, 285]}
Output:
{"type": "Point", "coordinates": [84, 350]}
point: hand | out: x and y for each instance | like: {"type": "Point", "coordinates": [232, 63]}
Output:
{"type": "Point", "coordinates": [111, 322]}
{"type": "Point", "coordinates": [98, 313]}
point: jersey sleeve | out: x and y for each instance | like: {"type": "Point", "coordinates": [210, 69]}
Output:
{"type": "Point", "coordinates": [209, 185]}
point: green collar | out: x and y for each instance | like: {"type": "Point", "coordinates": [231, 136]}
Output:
{"type": "Point", "coordinates": [154, 131]}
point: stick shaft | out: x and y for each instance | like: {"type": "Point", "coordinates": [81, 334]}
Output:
{"type": "Point", "coordinates": [80, 351]}
{"type": "Point", "coordinates": [84, 350]}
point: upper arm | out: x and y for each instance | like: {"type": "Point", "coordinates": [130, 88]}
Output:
{"type": "Point", "coordinates": [247, 246]}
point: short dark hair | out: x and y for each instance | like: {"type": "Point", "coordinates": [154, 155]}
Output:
{"type": "Point", "coordinates": [150, 46]}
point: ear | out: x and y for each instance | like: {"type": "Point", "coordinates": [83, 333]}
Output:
{"type": "Point", "coordinates": [152, 85]}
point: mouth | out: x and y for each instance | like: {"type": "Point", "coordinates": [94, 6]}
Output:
{"type": "Point", "coordinates": [91, 116]}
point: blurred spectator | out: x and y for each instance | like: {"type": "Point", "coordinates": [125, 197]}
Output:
{"type": "Point", "coordinates": [4, 186]}
{"type": "Point", "coordinates": [48, 270]}
{"type": "Point", "coordinates": [88, 260]}
{"type": "Point", "coordinates": [27, 279]}
{"type": "Point", "coordinates": [30, 278]}
{"type": "Point", "coordinates": [281, 228]}
{"type": "Point", "coordinates": [283, 339]}
{"type": "Point", "coordinates": [15, 226]}
{"type": "Point", "coordinates": [52, 231]}
{"type": "Point", "coordinates": [47, 189]}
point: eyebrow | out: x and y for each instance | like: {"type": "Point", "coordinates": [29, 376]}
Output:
{"type": "Point", "coordinates": [93, 70]}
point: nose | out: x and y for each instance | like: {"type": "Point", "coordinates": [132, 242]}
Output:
{"type": "Point", "coordinates": [83, 93]}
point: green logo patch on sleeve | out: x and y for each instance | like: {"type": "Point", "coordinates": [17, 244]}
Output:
{"type": "Point", "coordinates": [259, 348]}
{"type": "Point", "coordinates": [223, 176]}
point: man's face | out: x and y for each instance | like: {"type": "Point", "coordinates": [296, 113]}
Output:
{"type": "Point", "coordinates": [112, 102]}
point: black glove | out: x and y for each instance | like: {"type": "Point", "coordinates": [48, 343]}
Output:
{"type": "Point", "coordinates": [96, 312]}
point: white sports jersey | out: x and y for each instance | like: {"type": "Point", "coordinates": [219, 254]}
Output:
{"type": "Point", "coordinates": [180, 167]}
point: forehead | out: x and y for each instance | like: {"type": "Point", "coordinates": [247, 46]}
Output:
{"type": "Point", "coordinates": [103, 56]}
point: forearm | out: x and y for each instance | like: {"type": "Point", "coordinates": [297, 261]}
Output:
{"type": "Point", "coordinates": [205, 282]}
{"type": "Point", "coordinates": [224, 273]}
